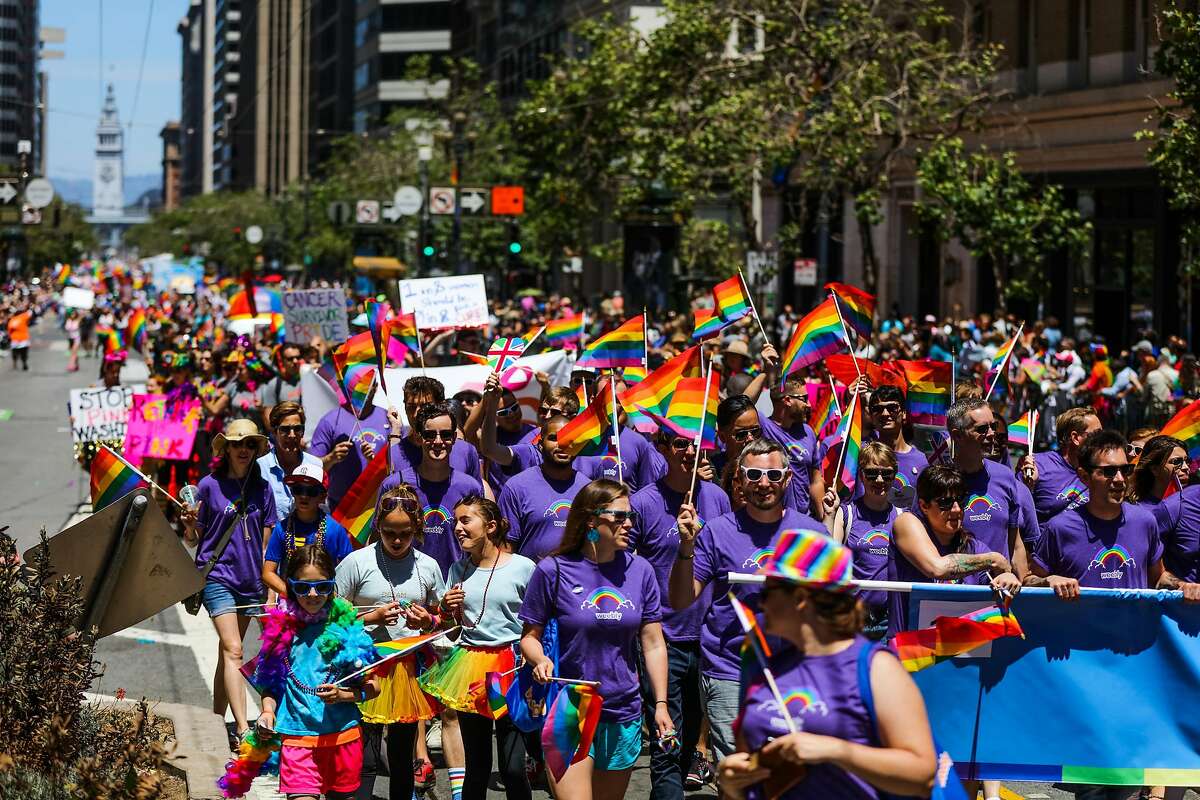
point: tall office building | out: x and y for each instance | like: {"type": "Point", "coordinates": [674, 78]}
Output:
{"type": "Point", "coordinates": [19, 86]}
{"type": "Point", "coordinates": [331, 89]}
{"type": "Point", "coordinates": [108, 179]}
{"type": "Point", "coordinates": [196, 112]}
{"type": "Point", "coordinates": [171, 166]}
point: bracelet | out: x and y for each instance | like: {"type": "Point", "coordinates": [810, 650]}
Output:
{"type": "Point", "coordinates": [682, 557]}
{"type": "Point", "coordinates": [362, 694]}
{"type": "Point", "coordinates": [656, 702]}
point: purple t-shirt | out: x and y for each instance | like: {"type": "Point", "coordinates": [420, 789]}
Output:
{"type": "Point", "coordinates": [600, 610]}
{"type": "Point", "coordinates": [901, 569]}
{"type": "Point", "coordinates": [1179, 528]}
{"type": "Point", "coordinates": [821, 694]}
{"type": "Point", "coordinates": [804, 455]}
{"type": "Point", "coordinates": [903, 491]}
{"type": "Point", "coordinates": [339, 425]}
{"type": "Point", "coordinates": [869, 539]}
{"type": "Point", "coordinates": [637, 462]}
{"type": "Point", "coordinates": [1101, 553]}
{"type": "Point", "coordinates": [438, 499]}
{"type": "Point", "coordinates": [463, 456]}
{"type": "Point", "coordinates": [536, 509]}
{"type": "Point", "coordinates": [498, 475]}
{"type": "Point", "coordinates": [1058, 486]}
{"type": "Point", "coordinates": [993, 506]}
{"type": "Point", "coordinates": [656, 538]}
{"type": "Point", "coordinates": [240, 566]}
{"type": "Point", "coordinates": [734, 542]}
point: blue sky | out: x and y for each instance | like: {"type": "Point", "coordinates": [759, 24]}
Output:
{"type": "Point", "coordinates": [76, 93]}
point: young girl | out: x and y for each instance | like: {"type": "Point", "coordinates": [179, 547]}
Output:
{"type": "Point", "coordinates": [488, 587]}
{"type": "Point", "coordinates": [311, 641]}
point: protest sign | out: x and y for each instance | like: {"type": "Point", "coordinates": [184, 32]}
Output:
{"type": "Point", "coordinates": [453, 301]}
{"type": "Point", "coordinates": [158, 430]}
{"type": "Point", "coordinates": [74, 297]}
{"type": "Point", "coordinates": [99, 415]}
{"type": "Point", "coordinates": [310, 313]}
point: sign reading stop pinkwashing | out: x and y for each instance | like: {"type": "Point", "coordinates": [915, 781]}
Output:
{"type": "Point", "coordinates": [157, 430]}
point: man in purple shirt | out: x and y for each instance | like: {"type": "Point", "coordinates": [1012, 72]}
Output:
{"type": "Point", "coordinates": [406, 444]}
{"type": "Point", "coordinates": [655, 537]}
{"type": "Point", "coordinates": [505, 412]}
{"type": "Point", "coordinates": [739, 541]}
{"type": "Point", "coordinates": [346, 443]}
{"type": "Point", "coordinates": [1105, 543]}
{"type": "Point", "coordinates": [788, 425]}
{"type": "Point", "coordinates": [1053, 476]}
{"type": "Point", "coordinates": [885, 412]}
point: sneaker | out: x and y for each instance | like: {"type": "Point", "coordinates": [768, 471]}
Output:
{"type": "Point", "coordinates": [699, 773]}
{"type": "Point", "coordinates": [423, 775]}
{"type": "Point", "coordinates": [433, 734]}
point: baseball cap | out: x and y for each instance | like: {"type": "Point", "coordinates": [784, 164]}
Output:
{"type": "Point", "coordinates": [307, 473]}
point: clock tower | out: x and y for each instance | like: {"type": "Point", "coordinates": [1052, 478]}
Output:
{"type": "Point", "coordinates": [108, 182]}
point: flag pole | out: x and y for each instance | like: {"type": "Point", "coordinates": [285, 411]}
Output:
{"type": "Point", "coordinates": [1029, 433]}
{"type": "Point", "coordinates": [645, 342]}
{"type": "Point", "coordinates": [846, 333]}
{"type": "Point", "coordinates": [700, 433]}
{"type": "Point", "coordinates": [397, 654]}
{"type": "Point", "coordinates": [143, 476]}
{"type": "Point", "coordinates": [833, 388]}
{"type": "Point", "coordinates": [837, 476]}
{"type": "Point", "coordinates": [1004, 362]}
{"type": "Point", "coordinates": [753, 310]}
{"type": "Point", "coordinates": [612, 379]}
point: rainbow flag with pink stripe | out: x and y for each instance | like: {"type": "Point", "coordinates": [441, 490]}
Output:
{"type": "Point", "coordinates": [951, 636]}
{"type": "Point", "coordinates": [570, 726]}
{"type": "Point", "coordinates": [623, 347]}
{"type": "Point", "coordinates": [818, 335]}
{"type": "Point", "coordinates": [849, 437]}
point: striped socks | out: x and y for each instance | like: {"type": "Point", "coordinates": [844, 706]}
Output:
{"type": "Point", "coordinates": [456, 781]}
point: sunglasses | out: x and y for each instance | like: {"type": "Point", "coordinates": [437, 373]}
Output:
{"type": "Point", "coordinates": [290, 430]}
{"type": "Point", "coordinates": [886, 408]}
{"type": "Point", "coordinates": [754, 474]}
{"type": "Point", "coordinates": [879, 474]}
{"type": "Point", "coordinates": [244, 444]}
{"type": "Point", "coordinates": [304, 588]}
{"type": "Point", "coordinates": [950, 501]}
{"type": "Point", "coordinates": [801, 397]}
{"type": "Point", "coordinates": [578, 380]}
{"type": "Point", "coordinates": [676, 443]}
{"type": "Point", "coordinates": [407, 504]}
{"type": "Point", "coordinates": [1111, 470]}
{"type": "Point", "coordinates": [301, 490]}
{"type": "Point", "coordinates": [746, 434]}
{"type": "Point", "coordinates": [1134, 449]}
{"type": "Point", "coordinates": [546, 410]}
{"type": "Point", "coordinates": [515, 408]}
{"type": "Point", "coordinates": [440, 436]}
{"type": "Point", "coordinates": [618, 517]}
{"type": "Point", "coordinates": [985, 427]}
{"type": "Point", "coordinates": [1177, 462]}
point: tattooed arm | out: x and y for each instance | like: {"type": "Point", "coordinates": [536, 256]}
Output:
{"type": "Point", "coordinates": [910, 536]}
{"type": "Point", "coordinates": [1162, 578]}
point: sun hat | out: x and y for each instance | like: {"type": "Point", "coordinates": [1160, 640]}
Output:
{"type": "Point", "coordinates": [737, 348]}
{"type": "Point", "coordinates": [236, 431]}
{"type": "Point", "coordinates": [308, 473]}
{"type": "Point", "coordinates": [810, 559]}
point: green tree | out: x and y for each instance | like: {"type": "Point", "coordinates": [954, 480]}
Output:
{"type": "Point", "coordinates": [61, 237]}
{"type": "Point", "coordinates": [987, 204]}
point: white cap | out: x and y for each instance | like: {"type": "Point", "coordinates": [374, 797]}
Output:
{"type": "Point", "coordinates": [307, 473]}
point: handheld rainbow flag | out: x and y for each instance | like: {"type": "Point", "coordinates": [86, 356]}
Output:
{"type": "Point", "coordinates": [565, 329]}
{"type": "Point", "coordinates": [756, 651]}
{"type": "Point", "coordinates": [113, 343]}
{"type": "Point", "coordinates": [929, 384]}
{"type": "Point", "coordinates": [356, 511]}
{"type": "Point", "coordinates": [1185, 426]}
{"type": "Point", "coordinates": [655, 390]}
{"type": "Point", "coordinates": [111, 479]}
{"type": "Point", "coordinates": [825, 410]}
{"type": "Point", "coordinates": [259, 304]}
{"type": "Point", "coordinates": [62, 274]}
{"type": "Point", "coordinates": [354, 361]}
{"type": "Point", "coordinates": [1035, 369]}
{"type": "Point", "coordinates": [589, 433]}
{"type": "Point", "coordinates": [504, 352]}
{"type": "Point", "coordinates": [691, 414]}
{"type": "Point", "coordinates": [622, 347]}
{"type": "Point", "coordinates": [708, 324]}
{"type": "Point", "coordinates": [840, 464]}
{"type": "Point", "coordinates": [135, 330]}
{"type": "Point", "coordinates": [377, 325]}
{"type": "Point", "coordinates": [498, 685]}
{"type": "Point", "coordinates": [404, 328]}
{"type": "Point", "coordinates": [857, 307]}
{"type": "Point", "coordinates": [405, 645]}
{"type": "Point", "coordinates": [570, 725]}
{"type": "Point", "coordinates": [999, 367]}
{"type": "Point", "coordinates": [818, 335]}
{"type": "Point", "coordinates": [1020, 432]}
{"type": "Point", "coordinates": [638, 420]}
{"type": "Point", "coordinates": [732, 302]}
{"type": "Point", "coordinates": [951, 636]}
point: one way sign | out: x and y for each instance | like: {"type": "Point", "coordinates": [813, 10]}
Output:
{"type": "Point", "coordinates": [473, 201]}
{"type": "Point", "coordinates": [8, 192]}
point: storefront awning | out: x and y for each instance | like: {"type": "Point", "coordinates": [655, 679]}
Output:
{"type": "Point", "coordinates": [379, 266]}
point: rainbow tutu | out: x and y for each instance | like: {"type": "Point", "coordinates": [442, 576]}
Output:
{"type": "Point", "coordinates": [400, 698]}
{"type": "Point", "coordinates": [459, 680]}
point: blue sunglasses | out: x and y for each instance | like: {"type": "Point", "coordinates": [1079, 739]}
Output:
{"type": "Point", "coordinates": [304, 588]}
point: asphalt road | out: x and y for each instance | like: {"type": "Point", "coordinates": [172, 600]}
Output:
{"type": "Point", "coordinates": [171, 656]}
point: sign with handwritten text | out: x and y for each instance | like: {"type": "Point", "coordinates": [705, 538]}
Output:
{"type": "Point", "coordinates": [452, 301]}
{"type": "Point", "coordinates": [310, 313]}
{"type": "Point", "coordinates": [158, 430]}
{"type": "Point", "coordinates": [98, 415]}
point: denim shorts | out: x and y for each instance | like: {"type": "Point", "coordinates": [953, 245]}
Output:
{"type": "Point", "coordinates": [616, 745]}
{"type": "Point", "coordinates": [220, 599]}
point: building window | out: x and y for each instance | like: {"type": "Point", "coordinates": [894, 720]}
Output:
{"type": "Point", "coordinates": [362, 76]}
{"type": "Point", "coordinates": [416, 17]}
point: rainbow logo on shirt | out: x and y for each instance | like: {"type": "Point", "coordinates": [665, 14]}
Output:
{"type": "Point", "coordinates": [877, 542]}
{"type": "Point", "coordinates": [900, 482]}
{"type": "Point", "coordinates": [805, 701]}
{"type": "Point", "coordinates": [797, 452]}
{"type": "Point", "coordinates": [1074, 495]}
{"type": "Point", "coordinates": [758, 558]}
{"type": "Point", "coordinates": [369, 436]}
{"type": "Point", "coordinates": [1112, 562]}
{"type": "Point", "coordinates": [979, 507]}
{"type": "Point", "coordinates": [610, 597]}
{"type": "Point", "coordinates": [558, 506]}
{"type": "Point", "coordinates": [436, 517]}
{"type": "Point", "coordinates": [673, 533]}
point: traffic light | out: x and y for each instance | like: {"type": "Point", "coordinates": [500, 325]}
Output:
{"type": "Point", "coordinates": [514, 247]}
{"type": "Point", "coordinates": [514, 239]}
{"type": "Point", "coordinates": [428, 251]}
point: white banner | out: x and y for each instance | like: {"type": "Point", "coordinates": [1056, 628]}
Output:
{"type": "Point", "coordinates": [309, 313]}
{"type": "Point", "coordinates": [98, 415]}
{"type": "Point", "coordinates": [319, 398]}
{"type": "Point", "coordinates": [453, 301]}
{"type": "Point", "coordinates": [74, 297]}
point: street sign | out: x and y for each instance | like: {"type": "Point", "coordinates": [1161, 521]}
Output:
{"type": "Point", "coordinates": [338, 212]}
{"type": "Point", "coordinates": [39, 192]}
{"type": "Point", "coordinates": [391, 213]}
{"type": "Point", "coordinates": [407, 200]}
{"type": "Point", "coordinates": [441, 200]}
{"type": "Point", "coordinates": [508, 201]}
{"type": "Point", "coordinates": [30, 215]}
{"type": "Point", "coordinates": [254, 234]}
{"type": "Point", "coordinates": [8, 190]}
{"type": "Point", "coordinates": [366, 212]}
{"type": "Point", "coordinates": [804, 272]}
{"type": "Point", "coordinates": [473, 201]}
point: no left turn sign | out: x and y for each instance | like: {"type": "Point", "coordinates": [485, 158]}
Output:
{"type": "Point", "coordinates": [441, 200]}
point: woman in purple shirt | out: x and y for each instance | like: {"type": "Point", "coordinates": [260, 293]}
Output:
{"type": "Point", "coordinates": [843, 747]}
{"type": "Point", "coordinates": [606, 603]}
{"type": "Point", "coordinates": [234, 498]}
{"type": "Point", "coordinates": [1162, 460]}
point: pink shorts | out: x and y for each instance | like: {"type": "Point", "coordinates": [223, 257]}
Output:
{"type": "Point", "coordinates": [331, 763]}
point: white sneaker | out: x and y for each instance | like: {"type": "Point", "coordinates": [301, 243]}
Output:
{"type": "Point", "coordinates": [433, 734]}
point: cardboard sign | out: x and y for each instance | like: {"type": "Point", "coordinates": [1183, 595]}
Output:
{"type": "Point", "coordinates": [99, 415]}
{"type": "Point", "coordinates": [155, 431]}
{"type": "Point", "coordinates": [315, 312]}
{"type": "Point", "coordinates": [74, 297]}
{"type": "Point", "coordinates": [453, 301]}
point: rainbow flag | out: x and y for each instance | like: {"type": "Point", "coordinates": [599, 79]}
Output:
{"type": "Point", "coordinates": [404, 328]}
{"type": "Point", "coordinates": [732, 301]}
{"type": "Point", "coordinates": [690, 413]}
{"type": "Point", "coordinates": [355, 359]}
{"type": "Point", "coordinates": [857, 307]}
{"type": "Point", "coordinates": [565, 329]}
{"type": "Point", "coordinates": [824, 411]}
{"type": "Point", "coordinates": [1000, 361]}
{"type": "Point", "coordinates": [112, 478]}
{"type": "Point", "coordinates": [818, 335]}
{"type": "Point", "coordinates": [848, 436]}
{"type": "Point", "coordinates": [708, 324]}
{"type": "Point", "coordinates": [1035, 369]}
{"type": "Point", "coordinates": [497, 687]}
{"type": "Point", "coordinates": [623, 347]}
{"type": "Point", "coordinates": [755, 650]}
{"type": "Point", "coordinates": [655, 390]}
{"type": "Point", "coordinates": [377, 326]}
{"type": "Point", "coordinates": [589, 433]}
{"type": "Point", "coordinates": [113, 343]}
{"type": "Point", "coordinates": [950, 636]}
{"type": "Point", "coordinates": [928, 397]}
{"type": "Point", "coordinates": [356, 511]}
{"type": "Point", "coordinates": [637, 418]}
{"type": "Point", "coordinates": [570, 725]}
{"type": "Point", "coordinates": [62, 274]}
{"type": "Point", "coordinates": [404, 645]}
{"type": "Point", "coordinates": [259, 306]}
{"type": "Point", "coordinates": [1019, 432]}
{"type": "Point", "coordinates": [1185, 426]}
{"type": "Point", "coordinates": [135, 330]}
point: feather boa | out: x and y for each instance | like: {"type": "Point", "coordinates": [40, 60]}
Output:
{"type": "Point", "coordinates": [253, 752]}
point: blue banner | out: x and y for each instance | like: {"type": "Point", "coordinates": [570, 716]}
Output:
{"type": "Point", "coordinates": [1103, 690]}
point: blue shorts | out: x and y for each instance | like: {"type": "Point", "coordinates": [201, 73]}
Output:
{"type": "Point", "coordinates": [616, 745]}
{"type": "Point", "coordinates": [220, 599]}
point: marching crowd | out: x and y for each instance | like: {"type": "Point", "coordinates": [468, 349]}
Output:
{"type": "Point", "coordinates": [583, 569]}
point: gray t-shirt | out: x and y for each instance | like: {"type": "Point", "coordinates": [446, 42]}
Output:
{"type": "Point", "coordinates": [278, 390]}
{"type": "Point", "coordinates": [499, 624]}
{"type": "Point", "coordinates": [370, 577]}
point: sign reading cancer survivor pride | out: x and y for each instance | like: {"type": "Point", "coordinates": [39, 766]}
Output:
{"type": "Point", "coordinates": [99, 415]}
{"type": "Point", "coordinates": [453, 301]}
{"type": "Point", "coordinates": [309, 313]}
{"type": "Point", "coordinates": [158, 430]}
